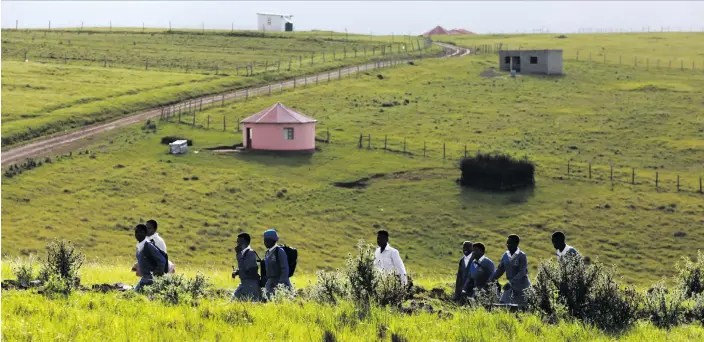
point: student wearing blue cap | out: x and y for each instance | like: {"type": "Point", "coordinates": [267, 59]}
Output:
{"type": "Point", "coordinates": [276, 263]}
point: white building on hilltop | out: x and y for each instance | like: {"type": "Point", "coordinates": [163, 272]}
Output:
{"type": "Point", "coordinates": [272, 22]}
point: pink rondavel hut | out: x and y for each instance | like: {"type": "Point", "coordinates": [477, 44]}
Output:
{"type": "Point", "coordinates": [279, 128]}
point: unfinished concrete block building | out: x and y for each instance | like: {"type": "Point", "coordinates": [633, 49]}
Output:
{"type": "Point", "coordinates": [548, 62]}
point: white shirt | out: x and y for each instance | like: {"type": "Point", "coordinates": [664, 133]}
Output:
{"type": "Point", "coordinates": [140, 245]}
{"type": "Point", "coordinates": [158, 241]}
{"type": "Point", "coordinates": [390, 260]}
{"type": "Point", "coordinates": [512, 256]}
{"type": "Point", "coordinates": [466, 259]}
{"type": "Point", "coordinates": [245, 250]}
{"type": "Point", "coordinates": [564, 251]}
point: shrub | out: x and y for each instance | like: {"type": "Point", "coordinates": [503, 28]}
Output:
{"type": "Point", "coordinates": [24, 271]}
{"type": "Point", "coordinates": [690, 276]}
{"type": "Point", "coordinates": [361, 274]}
{"type": "Point", "coordinates": [149, 126]}
{"type": "Point", "coordinates": [283, 294]}
{"type": "Point", "coordinates": [57, 286]}
{"type": "Point", "coordinates": [64, 261]}
{"type": "Point", "coordinates": [587, 292]}
{"type": "Point", "coordinates": [486, 298]}
{"type": "Point", "coordinates": [665, 309]}
{"type": "Point", "coordinates": [611, 307]}
{"type": "Point", "coordinates": [328, 288]}
{"type": "Point", "coordinates": [389, 290]}
{"type": "Point", "coordinates": [496, 172]}
{"type": "Point", "coordinates": [698, 308]}
{"type": "Point", "coordinates": [174, 289]}
{"type": "Point", "coordinates": [169, 139]}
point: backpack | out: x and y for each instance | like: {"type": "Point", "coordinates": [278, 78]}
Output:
{"type": "Point", "coordinates": [262, 267]}
{"type": "Point", "coordinates": [164, 255]}
{"type": "Point", "coordinates": [292, 256]}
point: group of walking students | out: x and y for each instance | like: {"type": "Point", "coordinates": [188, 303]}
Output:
{"type": "Point", "coordinates": [475, 270]}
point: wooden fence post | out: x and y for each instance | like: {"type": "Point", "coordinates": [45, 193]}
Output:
{"type": "Point", "coordinates": [656, 179]}
{"type": "Point", "coordinates": [294, 83]}
{"type": "Point", "coordinates": [360, 140]}
{"type": "Point", "coordinates": [611, 176]}
{"type": "Point", "coordinates": [404, 145]}
{"type": "Point", "coordinates": [208, 121]}
{"type": "Point", "coordinates": [678, 183]}
{"type": "Point", "coordinates": [246, 94]}
{"type": "Point", "coordinates": [200, 106]}
{"type": "Point", "coordinates": [223, 100]}
{"type": "Point", "coordinates": [443, 150]}
{"type": "Point", "coordinates": [385, 140]}
{"type": "Point", "coordinates": [328, 135]}
{"type": "Point", "coordinates": [193, 124]}
{"type": "Point", "coordinates": [224, 123]}
{"type": "Point", "coordinates": [590, 170]}
{"type": "Point", "coordinates": [568, 168]}
{"type": "Point", "coordinates": [465, 150]}
{"type": "Point", "coordinates": [700, 185]}
{"type": "Point", "coordinates": [633, 176]}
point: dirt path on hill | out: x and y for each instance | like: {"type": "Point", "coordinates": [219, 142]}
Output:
{"type": "Point", "coordinates": [47, 145]}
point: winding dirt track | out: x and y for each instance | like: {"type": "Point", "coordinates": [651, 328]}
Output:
{"type": "Point", "coordinates": [50, 144]}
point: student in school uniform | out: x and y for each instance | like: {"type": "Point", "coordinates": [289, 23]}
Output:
{"type": "Point", "coordinates": [158, 241]}
{"type": "Point", "coordinates": [247, 270]}
{"type": "Point", "coordinates": [481, 268]}
{"type": "Point", "coordinates": [150, 261]}
{"type": "Point", "coordinates": [387, 258]}
{"type": "Point", "coordinates": [515, 264]}
{"type": "Point", "coordinates": [276, 264]}
{"type": "Point", "coordinates": [562, 248]}
{"type": "Point", "coordinates": [463, 283]}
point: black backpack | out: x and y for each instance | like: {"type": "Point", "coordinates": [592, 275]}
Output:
{"type": "Point", "coordinates": [262, 267]}
{"type": "Point", "coordinates": [292, 256]}
{"type": "Point", "coordinates": [163, 254]}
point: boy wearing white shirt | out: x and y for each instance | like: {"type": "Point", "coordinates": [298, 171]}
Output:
{"type": "Point", "coordinates": [387, 258]}
{"type": "Point", "coordinates": [562, 249]}
{"type": "Point", "coordinates": [153, 236]}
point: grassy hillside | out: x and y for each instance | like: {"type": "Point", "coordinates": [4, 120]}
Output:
{"type": "Point", "coordinates": [684, 46]}
{"type": "Point", "coordinates": [76, 78]}
{"type": "Point", "coordinates": [605, 114]}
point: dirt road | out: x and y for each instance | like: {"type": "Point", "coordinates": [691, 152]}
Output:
{"type": "Point", "coordinates": [49, 144]}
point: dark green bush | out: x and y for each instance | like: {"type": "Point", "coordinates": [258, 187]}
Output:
{"type": "Point", "coordinates": [690, 277]}
{"type": "Point", "coordinates": [63, 261]}
{"type": "Point", "coordinates": [665, 309]}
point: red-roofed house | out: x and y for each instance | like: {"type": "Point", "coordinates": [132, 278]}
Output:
{"type": "Point", "coordinates": [460, 31]}
{"type": "Point", "coordinates": [436, 30]}
{"type": "Point", "coordinates": [279, 128]}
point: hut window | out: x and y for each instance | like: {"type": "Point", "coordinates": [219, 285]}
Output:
{"type": "Point", "coordinates": [288, 133]}
{"type": "Point", "coordinates": [534, 60]}
{"type": "Point", "coordinates": [507, 59]}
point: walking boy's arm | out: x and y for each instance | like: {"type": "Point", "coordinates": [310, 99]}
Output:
{"type": "Point", "coordinates": [499, 271]}
{"type": "Point", "coordinates": [399, 265]}
{"type": "Point", "coordinates": [283, 265]}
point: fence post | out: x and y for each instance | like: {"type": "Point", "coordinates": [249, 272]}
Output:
{"type": "Point", "coordinates": [200, 106]}
{"type": "Point", "coordinates": [404, 145]}
{"type": "Point", "coordinates": [316, 79]}
{"type": "Point", "coordinates": [246, 94]}
{"type": "Point", "coordinates": [294, 83]}
{"type": "Point", "coordinates": [223, 101]}
{"type": "Point", "coordinates": [369, 141]}
{"type": "Point", "coordinates": [238, 123]}
{"type": "Point", "coordinates": [568, 168]}
{"type": "Point", "coordinates": [590, 170]}
{"type": "Point", "coordinates": [328, 135]}
{"type": "Point", "coordinates": [465, 150]}
{"type": "Point", "coordinates": [193, 124]}
{"type": "Point", "coordinates": [443, 150]}
{"type": "Point", "coordinates": [360, 140]}
{"type": "Point", "coordinates": [611, 176]}
{"type": "Point", "coordinates": [224, 123]}
{"type": "Point", "coordinates": [656, 179]}
{"type": "Point", "coordinates": [208, 121]}
{"type": "Point", "coordinates": [386, 137]}
{"type": "Point", "coordinates": [269, 89]}
{"type": "Point", "coordinates": [678, 183]}
{"type": "Point", "coordinates": [700, 185]}
{"type": "Point", "coordinates": [633, 176]}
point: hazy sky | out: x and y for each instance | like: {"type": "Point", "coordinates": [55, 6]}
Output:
{"type": "Point", "coordinates": [379, 17]}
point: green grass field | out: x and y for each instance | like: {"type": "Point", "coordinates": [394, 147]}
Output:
{"type": "Point", "coordinates": [634, 118]}
{"type": "Point", "coordinates": [112, 317]}
{"type": "Point", "coordinates": [647, 47]}
{"type": "Point", "coordinates": [73, 79]}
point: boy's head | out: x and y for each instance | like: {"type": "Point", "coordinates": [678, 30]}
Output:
{"type": "Point", "coordinates": [512, 243]}
{"type": "Point", "coordinates": [467, 247]}
{"type": "Point", "coordinates": [558, 240]}
{"type": "Point", "coordinates": [270, 238]}
{"type": "Point", "coordinates": [243, 240]}
{"type": "Point", "coordinates": [382, 238]}
{"type": "Point", "coordinates": [478, 250]}
{"type": "Point", "coordinates": [151, 227]}
{"type": "Point", "coordinates": [140, 232]}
